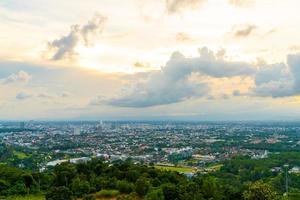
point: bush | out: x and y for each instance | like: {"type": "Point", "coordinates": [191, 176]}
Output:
{"type": "Point", "coordinates": [131, 196]}
{"type": "Point", "coordinates": [107, 193]}
{"type": "Point", "coordinates": [80, 188]}
{"type": "Point", "coordinates": [125, 187]}
{"type": "Point", "coordinates": [89, 197]}
{"type": "Point", "coordinates": [59, 193]}
{"type": "Point", "coordinates": [142, 186]}
{"type": "Point", "coordinates": [18, 188]}
{"type": "Point", "coordinates": [259, 190]}
{"type": "Point", "coordinates": [155, 195]}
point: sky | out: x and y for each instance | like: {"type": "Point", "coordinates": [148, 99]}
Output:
{"type": "Point", "coordinates": [149, 60]}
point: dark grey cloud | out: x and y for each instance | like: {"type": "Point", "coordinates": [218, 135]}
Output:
{"type": "Point", "coordinates": [173, 84]}
{"type": "Point", "coordinates": [243, 30]}
{"type": "Point", "coordinates": [64, 47]}
{"type": "Point", "coordinates": [176, 6]}
{"type": "Point", "coordinates": [19, 77]}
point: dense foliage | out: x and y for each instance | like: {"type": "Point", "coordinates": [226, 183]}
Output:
{"type": "Point", "coordinates": [238, 178]}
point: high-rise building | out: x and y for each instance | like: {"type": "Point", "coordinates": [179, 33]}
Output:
{"type": "Point", "coordinates": [99, 127]}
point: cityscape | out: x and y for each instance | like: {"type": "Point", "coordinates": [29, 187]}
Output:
{"type": "Point", "coordinates": [149, 100]}
{"type": "Point", "coordinates": [187, 144]}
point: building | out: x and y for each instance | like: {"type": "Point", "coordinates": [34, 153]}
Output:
{"type": "Point", "coordinates": [77, 131]}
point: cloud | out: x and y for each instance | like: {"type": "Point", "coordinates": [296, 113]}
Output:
{"type": "Point", "coordinates": [236, 93]}
{"type": "Point", "coordinates": [183, 37]}
{"type": "Point", "coordinates": [141, 65]}
{"type": "Point", "coordinates": [243, 30]}
{"type": "Point", "coordinates": [293, 61]}
{"type": "Point", "coordinates": [23, 95]}
{"type": "Point", "coordinates": [274, 89]}
{"type": "Point", "coordinates": [45, 95]}
{"type": "Point", "coordinates": [279, 80]}
{"type": "Point", "coordinates": [173, 83]}
{"type": "Point", "coordinates": [41, 95]}
{"type": "Point", "coordinates": [241, 3]}
{"type": "Point", "coordinates": [177, 6]}
{"type": "Point", "coordinates": [294, 48]}
{"type": "Point", "coordinates": [20, 77]}
{"type": "Point", "coordinates": [64, 47]}
{"type": "Point", "coordinates": [66, 94]}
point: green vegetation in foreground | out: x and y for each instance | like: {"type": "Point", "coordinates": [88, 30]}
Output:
{"type": "Point", "coordinates": [26, 197]}
{"type": "Point", "coordinates": [240, 178]}
{"type": "Point", "coordinates": [177, 169]}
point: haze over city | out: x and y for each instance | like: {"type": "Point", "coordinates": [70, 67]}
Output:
{"type": "Point", "coordinates": [149, 60]}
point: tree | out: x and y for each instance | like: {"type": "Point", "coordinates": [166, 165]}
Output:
{"type": "Point", "coordinates": [125, 187]}
{"type": "Point", "coordinates": [59, 193]}
{"type": "Point", "coordinates": [210, 188]}
{"type": "Point", "coordinates": [259, 191]}
{"type": "Point", "coordinates": [80, 187]}
{"type": "Point", "coordinates": [28, 181]}
{"type": "Point", "coordinates": [156, 194]}
{"type": "Point", "coordinates": [3, 185]}
{"type": "Point", "coordinates": [170, 191]}
{"type": "Point", "coordinates": [64, 172]}
{"type": "Point", "coordinates": [142, 186]}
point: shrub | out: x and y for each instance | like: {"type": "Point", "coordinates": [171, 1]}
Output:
{"type": "Point", "coordinates": [89, 197]}
{"type": "Point", "coordinates": [142, 186]}
{"type": "Point", "coordinates": [107, 193]}
{"type": "Point", "coordinates": [125, 187]}
{"type": "Point", "coordinates": [59, 193]}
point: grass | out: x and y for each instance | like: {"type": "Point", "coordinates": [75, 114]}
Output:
{"type": "Point", "coordinates": [177, 169]}
{"type": "Point", "coordinates": [20, 155]}
{"type": "Point", "coordinates": [27, 197]}
{"type": "Point", "coordinates": [215, 167]}
{"type": "Point", "coordinates": [107, 193]}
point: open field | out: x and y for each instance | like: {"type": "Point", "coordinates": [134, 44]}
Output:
{"type": "Point", "coordinates": [215, 167]}
{"type": "Point", "coordinates": [20, 155]}
{"type": "Point", "coordinates": [177, 169]}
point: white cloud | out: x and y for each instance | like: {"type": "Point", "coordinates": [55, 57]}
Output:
{"type": "Point", "coordinates": [173, 84]}
{"type": "Point", "coordinates": [64, 47]}
{"type": "Point", "coordinates": [66, 94]}
{"type": "Point", "coordinates": [23, 95]}
{"type": "Point", "coordinates": [243, 30]}
{"type": "Point", "coordinates": [174, 6]}
{"type": "Point", "coordinates": [45, 95]}
{"type": "Point", "coordinates": [241, 3]}
{"type": "Point", "coordinates": [20, 77]}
